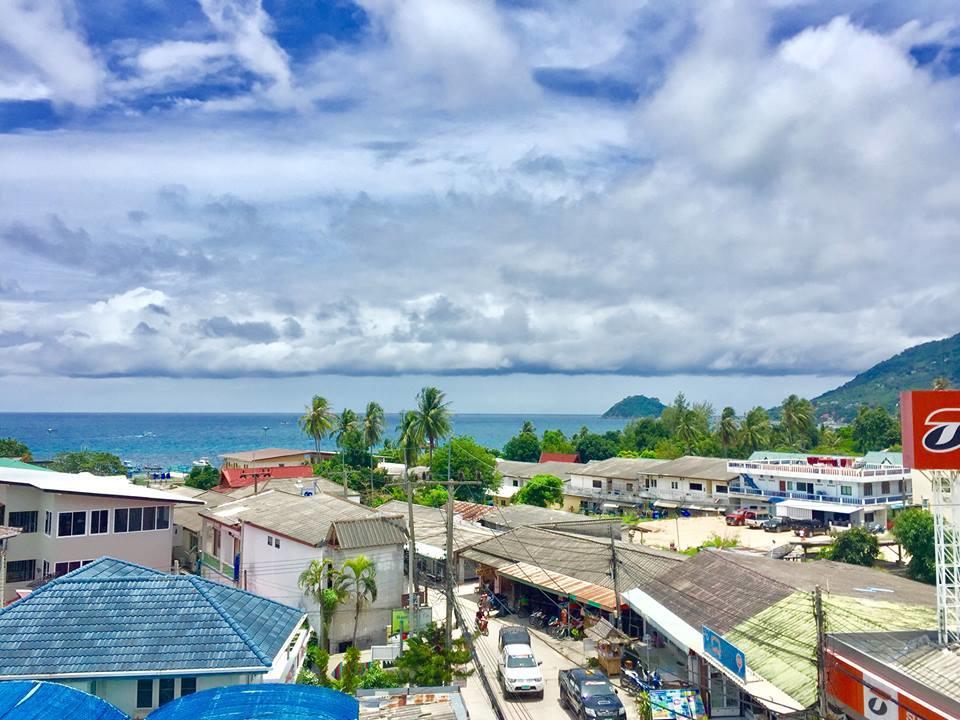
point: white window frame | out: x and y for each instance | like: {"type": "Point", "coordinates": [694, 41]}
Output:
{"type": "Point", "coordinates": [107, 530]}
{"type": "Point", "coordinates": [674, 484]}
{"type": "Point", "coordinates": [48, 523]}
{"type": "Point", "coordinates": [86, 524]}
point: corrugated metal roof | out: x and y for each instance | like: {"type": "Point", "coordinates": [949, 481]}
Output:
{"type": "Point", "coordinates": [234, 477]}
{"type": "Point", "coordinates": [519, 515]}
{"type": "Point", "coordinates": [377, 531]}
{"type": "Point", "coordinates": [35, 700]}
{"type": "Point", "coordinates": [21, 465]}
{"type": "Point", "coordinates": [87, 484]}
{"type": "Point", "coordinates": [526, 470]}
{"type": "Point", "coordinates": [430, 525]}
{"type": "Point", "coordinates": [697, 468]}
{"type": "Point", "coordinates": [620, 468]}
{"type": "Point", "coordinates": [266, 454]}
{"type": "Point", "coordinates": [113, 616]}
{"type": "Point", "coordinates": [585, 592]}
{"type": "Point", "coordinates": [306, 519]}
{"type": "Point", "coordinates": [259, 702]}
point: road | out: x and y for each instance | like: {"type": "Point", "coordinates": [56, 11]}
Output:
{"type": "Point", "coordinates": [519, 708]}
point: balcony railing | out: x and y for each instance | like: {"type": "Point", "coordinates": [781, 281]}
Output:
{"type": "Point", "coordinates": [798, 469]}
{"type": "Point", "coordinates": [795, 495]}
{"type": "Point", "coordinates": [638, 496]}
{"type": "Point", "coordinates": [213, 563]}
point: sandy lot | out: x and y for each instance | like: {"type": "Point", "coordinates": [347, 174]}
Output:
{"type": "Point", "coordinates": [694, 531]}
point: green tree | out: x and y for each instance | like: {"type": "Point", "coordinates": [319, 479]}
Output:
{"type": "Point", "coordinates": [667, 449]}
{"type": "Point", "coordinates": [913, 529]}
{"type": "Point", "coordinates": [755, 429]}
{"type": "Point", "coordinates": [202, 477]}
{"type": "Point", "coordinates": [318, 420]}
{"type": "Point", "coordinates": [354, 450]}
{"type": "Point", "coordinates": [314, 581]}
{"type": "Point", "coordinates": [375, 677]}
{"type": "Point", "coordinates": [643, 434]}
{"type": "Point", "coordinates": [427, 662]}
{"type": "Point", "coordinates": [874, 429]}
{"type": "Point", "coordinates": [11, 448]}
{"type": "Point", "coordinates": [96, 463]}
{"type": "Point", "coordinates": [411, 438]}
{"type": "Point", "coordinates": [524, 447]}
{"type": "Point", "coordinates": [856, 546]}
{"type": "Point", "coordinates": [472, 461]}
{"type": "Point", "coordinates": [350, 671]}
{"type": "Point", "coordinates": [433, 417]}
{"type": "Point", "coordinates": [797, 421]}
{"type": "Point", "coordinates": [554, 441]}
{"type": "Point", "coordinates": [686, 424]}
{"type": "Point", "coordinates": [373, 422]}
{"type": "Point", "coordinates": [360, 580]}
{"type": "Point", "coordinates": [596, 447]}
{"type": "Point", "coordinates": [541, 490]}
{"type": "Point", "coordinates": [347, 423]}
{"type": "Point", "coordinates": [728, 432]}
{"type": "Point", "coordinates": [528, 427]}
{"type": "Point", "coordinates": [431, 496]}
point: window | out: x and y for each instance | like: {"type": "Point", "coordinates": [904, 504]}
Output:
{"type": "Point", "coordinates": [188, 686]}
{"type": "Point", "coordinates": [163, 517]}
{"type": "Point", "coordinates": [846, 490]}
{"type": "Point", "coordinates": [674, 485]}
{"type": "Point", "coordinates": [135, 523]}
{"type": "Point", "coordinates": [167, 690]}
{"type": "Point", "coordinates": [885, 487]}
{"type": "Point", "coordinates": [276, 542]}
{"type": "Point", "coordinates": [629, 487]}
{"type": "Point", "coordinates": [696, 486]}
{"type": "Point", "coordinates": [144, 693]}
{"type": "Point", "coordinates": [62, 568]}
{"type": "Point", "coordinates": [72, 523]}
{"type": "Point", "coordinates": [598, 483]}
{"type": "Point", "coordinates": [47, 523]}
{"type": "Point", "coordinates": [651, 483]}
{"type": "Point", "coordinates": [868, 489]}
{"type": "Point", "coordinates": [789, 484]}
{"type": "Point", "coordinates": [270, 540]}
{"type": "Point", "coordinates": [720, 489]}
{"type": "Point", "coordinates": [516, 483]}
{"type": "Point", "coordinates": [26, 521]}
{"type": "Point", "coordinates": [216, 542]}
{"type": "Point", "coordinates": [21, 570]}
{"type": "Point", "coordinates": [149, 518]}
{"type": "Point", "coordinates": [98, 521]}
{"type": "Point", "coordinates": [120, 516]}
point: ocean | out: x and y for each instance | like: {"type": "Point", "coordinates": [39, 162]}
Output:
{"type": "Point", "coordinates": [173, 440]}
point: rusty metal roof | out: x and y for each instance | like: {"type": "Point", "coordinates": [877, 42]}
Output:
{"type": "Point", "coordinates": [580, 590]}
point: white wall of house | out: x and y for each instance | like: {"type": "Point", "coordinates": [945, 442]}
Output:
{"type": "Point", "coordinates": [272, 564]}
{"type": "Point", "coordinates": [152, 548]}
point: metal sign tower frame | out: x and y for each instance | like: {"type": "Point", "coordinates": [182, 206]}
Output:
{"type": "Point", "coordinates": [946, 529]}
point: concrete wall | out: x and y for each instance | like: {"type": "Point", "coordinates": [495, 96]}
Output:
{"type": "Point", "coordinates": [273, 571]}
{"type": "Point", "coordinates": [152, 548]}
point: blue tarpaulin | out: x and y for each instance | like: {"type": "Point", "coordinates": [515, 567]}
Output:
{"type": "Point", "coordinates": [34, 700]}
{"type": "Point", "coordinates": [266, 701]}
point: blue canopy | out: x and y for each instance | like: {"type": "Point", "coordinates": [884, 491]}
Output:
{"type": "Point", "coordinates": [265, 701]}
{"type": "Point", "coordinates": [35, 700]}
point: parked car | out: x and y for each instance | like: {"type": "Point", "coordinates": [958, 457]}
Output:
{"type": "Point", "coordinates": [743, 517]}
{"type": "Point", "coordinates": [514, 636]}
{"type": "Point", "coordinates": [589, 694]}
{"type": "Point", "coordinates": [777, 524]}
{"type": "Point", "coordinates": [755, 520]}
{"type": "Point", "coordinates": [519, 671]}
{"type": "Point", "coordinates": [809, 528]}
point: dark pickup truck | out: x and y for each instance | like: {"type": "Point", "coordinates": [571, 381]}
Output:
{"type": "Point", "coordinates": [589, 694]}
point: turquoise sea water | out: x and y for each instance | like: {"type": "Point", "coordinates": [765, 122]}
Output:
{"type": "Point", "coordinates": [173, 439]}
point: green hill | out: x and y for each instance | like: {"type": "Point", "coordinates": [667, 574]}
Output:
{"type": "Point", "coordinates": [636, 406]}
{"type": "Point", "coordinates": [913, 369]}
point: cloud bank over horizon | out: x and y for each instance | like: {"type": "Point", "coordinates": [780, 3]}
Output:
{"type": "Point", "coordinates": [253, 188]}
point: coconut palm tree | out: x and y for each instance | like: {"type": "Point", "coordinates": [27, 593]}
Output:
{"type": "Point", "coordinates": [347, 422]}
{"type": "Point", "coordinates": [796, 415]}
{"type": "Point", "coordinates": [433, 417]}
{"type": "Point", "coordinates": [317, 421]}
{"type": "Point", "coordinates": [360, 580]}
{"type": "Point", "coordinates": [727, 430]}
{"type": "Point", "coordinates": [755, 429]}
{"type": "Point", "coordinates": [528, 427]}
{"type": "Point", "coordinates": [941, 383]}
{"type": "Point", "coordinates": [410, 437]}
{"type": "Point", "coordinates": [326, 585]}
{"type": "Point", "coordinates": [372, 431]}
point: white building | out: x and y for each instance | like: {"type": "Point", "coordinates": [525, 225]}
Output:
{"type": "Point", "coordinates": [263, 542]}
{"type": "Point", "coordinates": [68, 520]}
{"type": "Point", "coordinates": [835, 490]}
{"type": "Point", "coordinates": [139, 638]}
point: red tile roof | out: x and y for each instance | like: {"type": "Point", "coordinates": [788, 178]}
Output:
{"type": "Point", "coordinates": [471, 511]}
{"type": "Point", "coordinates": [559, 457]}
{"type": "Point", "coordinates": [233, 478]}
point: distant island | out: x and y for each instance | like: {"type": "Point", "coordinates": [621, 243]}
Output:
{"type": "Point", "coordinates": [913, 369]}
{"type": "Point", "coordinates": [636, 406]}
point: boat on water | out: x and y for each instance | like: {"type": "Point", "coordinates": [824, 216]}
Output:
{"type": "Point", "coordinates": [202, 462]}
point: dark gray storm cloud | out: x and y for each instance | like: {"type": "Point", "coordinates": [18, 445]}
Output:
{"type": "Point", "coordinates": [224, 327]}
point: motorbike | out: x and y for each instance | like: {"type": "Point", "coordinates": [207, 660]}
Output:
{"type": "Point", "coordinates": [481, 626]}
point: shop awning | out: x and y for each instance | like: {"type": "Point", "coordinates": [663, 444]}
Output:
{"type": "Point", "coordinates": [579, 590]}
{"type": "Point", "coordinates": [666, 504]}
{"type": "Point", "coordinates": [822, 506]}
{"type": "Point", "coordinates": [431, 551]}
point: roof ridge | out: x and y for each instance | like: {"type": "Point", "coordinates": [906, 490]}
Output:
{"type": "Point", "coordinates": [234, 625]}
{"type": "Point", "coordinates": [732, 558]}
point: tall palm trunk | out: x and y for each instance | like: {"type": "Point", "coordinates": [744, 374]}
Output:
{"type": "Point", "coordinates": [356, 620]}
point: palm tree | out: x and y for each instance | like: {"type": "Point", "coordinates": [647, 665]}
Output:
{"type": "Point", "coordinates": [727, 430]}
{"type": "Point", "coordinates": [528, 428]}
{"type": "Point", "coordinates": [941, 383]}
{"type": "Point", "coordinates": [372, 431]}
{"type": "Point", "coordinates": [433, 416]}
{"type": "Point", "coordinates": [317, 421]}
{"type": "Point", "coordinates": [347, 422]}
{"type": "Point", "coordinates": [360, 580]}
{"type": "Point", "coordinates": [796, 415]}
{"type": "Point", "coordinates": [314, 581]}
{"type": "Point", "coordinates": [411, 437]}
{"type": "Point", "coordinates": [755, 429]}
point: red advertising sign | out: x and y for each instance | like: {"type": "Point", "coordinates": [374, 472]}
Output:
{"type": "Point", "coordinates": [931, 429]}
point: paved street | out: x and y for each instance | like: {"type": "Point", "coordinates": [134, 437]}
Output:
{"type": "Point", "coordinates": [546, 651]}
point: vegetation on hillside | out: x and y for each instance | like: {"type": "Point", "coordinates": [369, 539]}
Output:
{"type": "Point", "coordinates": [11, 448]}
{"type": "Point", "coordinates": [636, 406]}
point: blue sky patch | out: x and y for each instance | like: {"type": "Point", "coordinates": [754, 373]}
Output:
{"type": "Point", "coordinates": [586, 84]}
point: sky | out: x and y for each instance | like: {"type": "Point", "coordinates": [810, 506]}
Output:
{"type": "Point", "coordinates": [539, 205]}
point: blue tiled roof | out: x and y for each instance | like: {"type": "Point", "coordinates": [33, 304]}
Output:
{"type": "Point", "coordinates": [33, 700]}
{"type": "Point", "coordinates": [113, 616]}
{"type": "Point", "coordinates": [258, 702]}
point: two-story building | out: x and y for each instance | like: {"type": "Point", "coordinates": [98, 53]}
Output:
{"type": "Point", "coordinates": [68, 520]}
{"type": "Point", "coordinates": [515, 474]}
{"type": "Point", "coordinates": [263, 542]}
{"type": "Point", "coordinates": [274, 457]}
{"type": "Point", "coordinates": [139, 638]}
{"type": "Point", "coordinates": [836, 490]}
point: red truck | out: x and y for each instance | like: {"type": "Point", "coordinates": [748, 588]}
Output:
{"type": "Point", "coordinates": [751, 518]}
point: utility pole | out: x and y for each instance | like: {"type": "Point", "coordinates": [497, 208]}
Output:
{"type": "Point", "coordinates": [821, 654]}
{"type": "Point", "coordinates": [413, 600]}
{"type": "Point", "coordinates": [618, 623]}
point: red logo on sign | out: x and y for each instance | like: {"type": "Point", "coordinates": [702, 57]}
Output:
{"type": "Point", "coordinates": [931, 429]}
